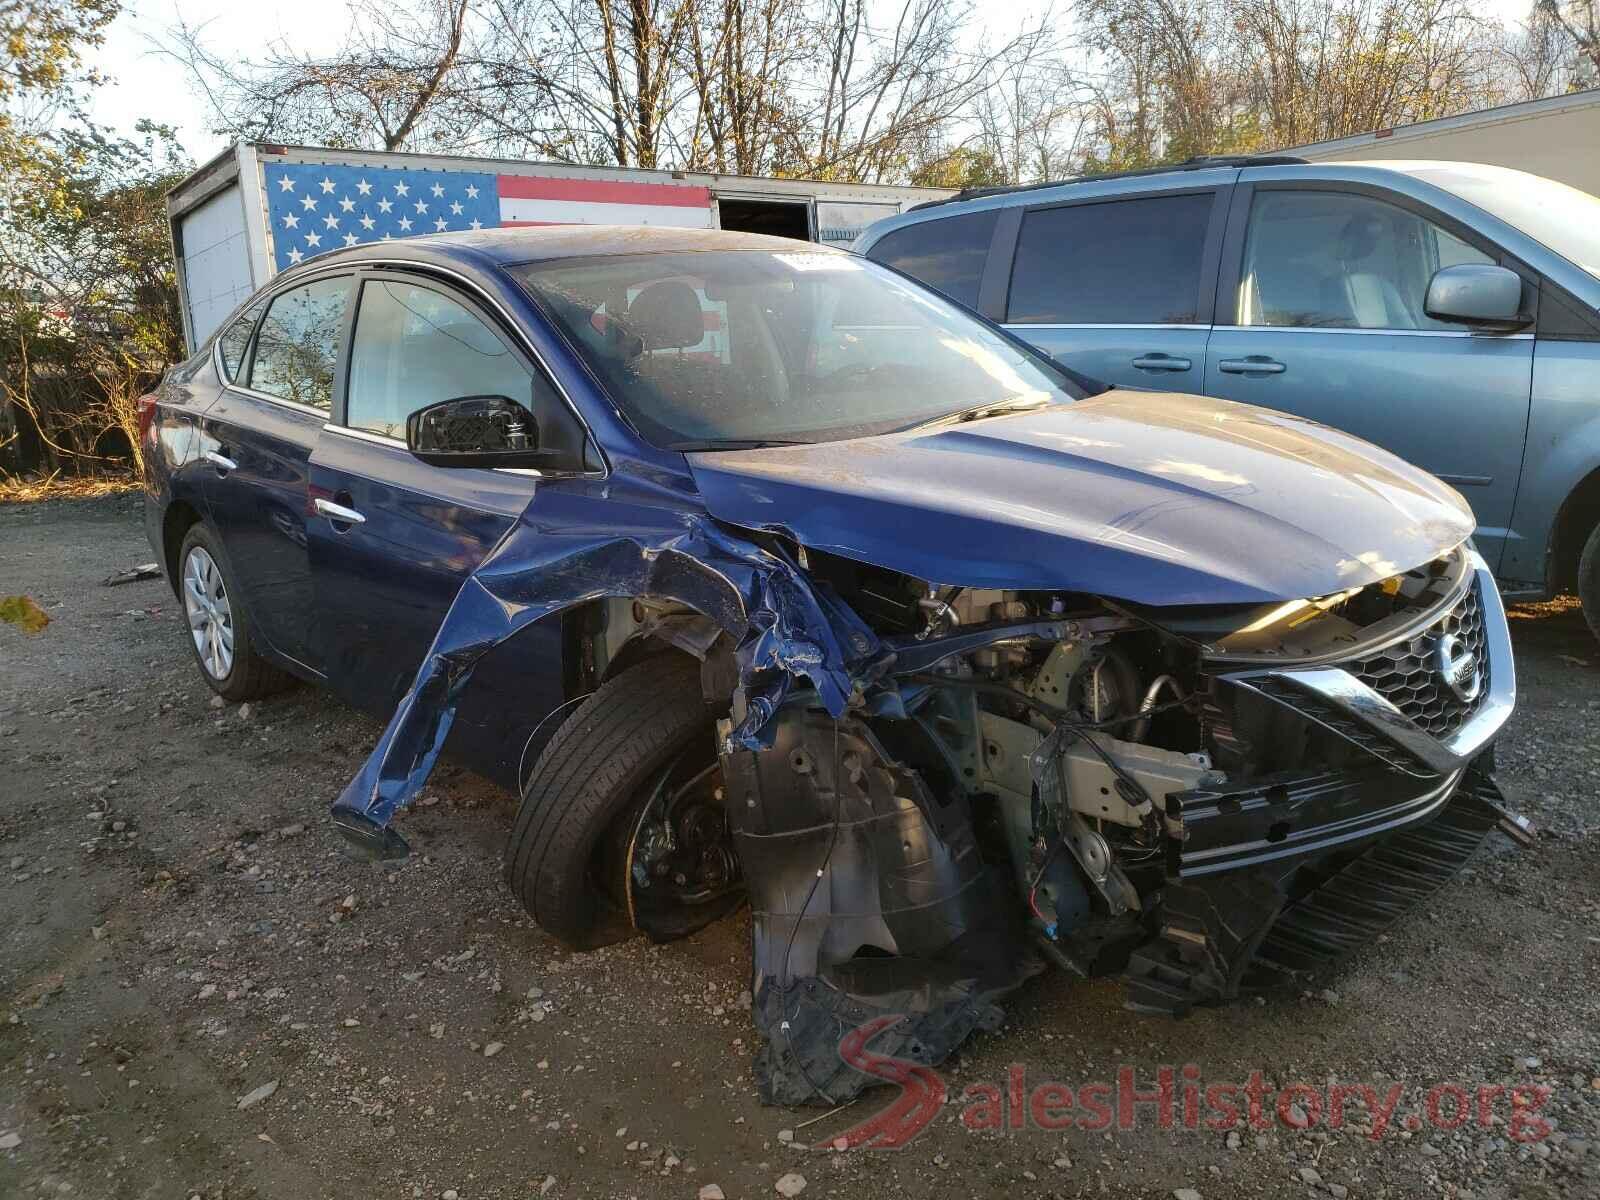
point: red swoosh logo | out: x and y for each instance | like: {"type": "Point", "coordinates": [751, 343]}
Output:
{"type": "Point", "coordinates": [921, 1096]}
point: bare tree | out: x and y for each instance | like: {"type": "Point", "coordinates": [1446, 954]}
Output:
{"type": "Point", "coordinates": [1034, 116]}
{"type": "Point", "coordinates": [743, 59]}
{"type": "Point", "coordinates": [394, 71]}
{"type": "Point", "coordinates": [1580, 21]}
{"type": "Point", "coordinates": [1537, 58]}
{"type": "Point", "coordinates": [1191, 77]}
{"type": "Point", "coordinates": [882, 92]}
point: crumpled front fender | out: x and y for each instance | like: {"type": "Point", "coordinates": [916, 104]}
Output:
{"type": "Point", "coordinates": [784, 628]}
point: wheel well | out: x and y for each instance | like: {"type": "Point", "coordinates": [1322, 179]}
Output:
{"type": "Point", "coordinates": [175, 525]}
{"type": "Point", "coordinates": [1579, 515]}
{"type": "Point", "coordinates": [638, 648]}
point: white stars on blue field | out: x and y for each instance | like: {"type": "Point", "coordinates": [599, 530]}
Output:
{"type": "Point", "coordinates": [314, 208]}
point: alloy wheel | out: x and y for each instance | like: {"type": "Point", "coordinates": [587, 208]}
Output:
{"type": "Point", "coordinates": [205, 602]}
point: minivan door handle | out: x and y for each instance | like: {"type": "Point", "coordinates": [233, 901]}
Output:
{"type": "Point", "coordinates": [1255, 364]}
{"type": "Point", "coordinates": [1161, 362]}
{"type": "Point", "coordinates": [221, 462]}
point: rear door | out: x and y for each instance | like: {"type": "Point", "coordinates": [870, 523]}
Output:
{"type": "Point", "coordinates": [391, 538]}
{"type": "Point", "coordinates": [1321, 314]}
{"type": "Point", "coordinates": [257, 440]}
{"type": "Point", "coordinates": [1121, 286]}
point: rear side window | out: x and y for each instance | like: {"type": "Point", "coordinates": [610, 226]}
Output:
{"type": "Point", "coordinates": [948, 254]}
{"type": "Point", "coordinates": [236, 338]}
{"type": "Point", "coordinates": [1121, 262]}
{"type": "Point", "coordinates": [298, 345]}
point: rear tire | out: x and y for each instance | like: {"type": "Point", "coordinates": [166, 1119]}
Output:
{"type": "Point", "coordinates": [588, 791]}
{"type": "Point", "coordinates": [220, 632]}
{"type": "Point", "coordinates": [1589, 581]}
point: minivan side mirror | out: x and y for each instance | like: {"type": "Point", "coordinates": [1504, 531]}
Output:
{"type": "Point", "coordinates": [481, 431]}
{"type": "Point", "coordinates": [1477, 294]}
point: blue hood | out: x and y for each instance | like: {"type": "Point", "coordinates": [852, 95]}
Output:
{"type": "Point", "coordinates": [1150, 497]}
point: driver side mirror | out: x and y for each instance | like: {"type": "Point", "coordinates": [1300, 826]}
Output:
{"type": "Point", "coordinates": [1477, 294]}
{"type": "Point", "coordinates": [481, 431]}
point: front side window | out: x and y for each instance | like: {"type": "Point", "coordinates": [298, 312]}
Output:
{"type": "Point", "coordinates": [235, 339]}
{"type": "Point", "coordinates": [413, 347]}
{"type": "Point", "coordinates": [723, 348]}
{"type": "Point", "coordinates": [947, 254]}
{"type": "Point", "coordinates": [1117, 262]}
{"type": "Point", "coordinates": [297, 346]}
{"type": "Point", "coordinates": [1333, 260]}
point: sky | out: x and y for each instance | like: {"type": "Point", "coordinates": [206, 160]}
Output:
{"type": "Point", "coordinates": [145, 83]}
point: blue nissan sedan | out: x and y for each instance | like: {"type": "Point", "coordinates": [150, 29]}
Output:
{"type": "Point", "coordinates": [764, 574]}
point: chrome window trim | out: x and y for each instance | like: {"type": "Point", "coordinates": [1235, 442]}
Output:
{"type": "Point", "coordinates": [1354, 698]}
{"type": "Point", "coordinates": [379, 439]}
{"type": "Point", "coordinates": [1436, 333]}
{"type": "Point", "coordinates": [1020, 325]}
{"type": "Point", "coordinates": [292, 405]}
{"type": "Point", "coordinates": [363, 435]}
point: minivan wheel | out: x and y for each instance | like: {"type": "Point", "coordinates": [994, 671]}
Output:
{"type": "Point", "coordinates": [1589, 580]}
{"type": "Point", "coordinates": [219, 631]}
{"type": "Point", "coordinates": [621, 826]}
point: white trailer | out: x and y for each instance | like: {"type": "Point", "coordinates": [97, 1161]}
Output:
{"type": "Point", "coordinates": [257, 208]}
{"type": "Point", "coordinates": [1557, 137]}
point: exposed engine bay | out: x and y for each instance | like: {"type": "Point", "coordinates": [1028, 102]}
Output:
{"type": "Point", "coordinates": [1056, 779]}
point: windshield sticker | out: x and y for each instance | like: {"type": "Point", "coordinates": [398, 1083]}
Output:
{"type": "Point", "coordinates": [819, 262]}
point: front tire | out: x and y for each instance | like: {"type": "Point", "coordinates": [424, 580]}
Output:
{"type": "Point", "coordinates": [220, 633]}
{"type": "Point", "coordinates": [1589, 580]}
{"type": "Point", "coordinates": [620, 826]}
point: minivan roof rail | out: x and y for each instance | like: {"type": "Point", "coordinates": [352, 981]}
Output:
{"type": "Point", "coordinates": [1198, 163]}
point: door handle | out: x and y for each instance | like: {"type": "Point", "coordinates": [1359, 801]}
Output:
{"type": "Point", "coordinates": [1256, 364]}
{"type": "Point", "coordinates": [338, 513]}
{"type": "Point", "coordinates": [1161, 362]}
{"type": "Point", "coordinates": [221, 462]}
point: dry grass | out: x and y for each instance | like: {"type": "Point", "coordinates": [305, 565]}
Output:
{"type": "Point", "coordinates": [14, 490]}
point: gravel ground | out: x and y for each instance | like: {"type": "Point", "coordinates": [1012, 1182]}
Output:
{"type": "Point", "coordinates": [200, 995]}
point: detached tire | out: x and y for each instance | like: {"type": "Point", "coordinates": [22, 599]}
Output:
{"type": "Point", "coordinates": [220, 632]}
{"type": "Point", "coordinates": [590, 784]}
{"type": "Point", "coordinates": [1589, 581]}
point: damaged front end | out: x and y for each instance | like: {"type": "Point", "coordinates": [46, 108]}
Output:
{"type": "Point", "coordinates": [932, 792]}
{"type": "Point", "coordinates": [1205, 801]}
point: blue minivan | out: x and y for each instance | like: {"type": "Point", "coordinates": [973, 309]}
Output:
{"type": "Point", "coordinates": [1449, 312]}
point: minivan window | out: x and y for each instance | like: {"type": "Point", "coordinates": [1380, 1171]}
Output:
{"type": "Point", "coordinates": [1117, 262]}
{"type": "Point", "coordinates": [1337, 260]}
{"type": "Point", "coordinates": [413, 347]}
{"type": "Point", "coordinates": [728, 348]}
{"type": "Point", "coordinates": [298, 344]}
{"type": "Point", "coordinates": [947, 254]}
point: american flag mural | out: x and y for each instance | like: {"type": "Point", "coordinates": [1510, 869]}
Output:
{"type": "Point", "coordinates": [313, 208]}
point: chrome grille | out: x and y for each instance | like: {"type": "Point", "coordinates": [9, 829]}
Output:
{"type": "Point", "coordinates": [1406, 676]}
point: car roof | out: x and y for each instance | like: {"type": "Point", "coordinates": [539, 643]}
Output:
{"type": "Point", "coordinates": [501, 247]}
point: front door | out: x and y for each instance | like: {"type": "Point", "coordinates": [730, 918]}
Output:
{"type": "Point", "coordinates": [392, 539]}
{"type": "Point", "coordinates": [258, 438]}
{"type": "Point", "coordinates": [1326, 321]}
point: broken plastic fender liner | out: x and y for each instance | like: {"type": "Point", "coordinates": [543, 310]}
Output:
{"type": "Point", "coordinates": [556, 556]}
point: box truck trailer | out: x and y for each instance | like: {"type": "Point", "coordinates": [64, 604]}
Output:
{"type": "Point", "coordinates": [258, 208]}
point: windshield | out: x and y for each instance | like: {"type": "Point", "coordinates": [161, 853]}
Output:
{"type": "Point", "coordinates": [739, 347]}
{"type": "Point", "coordinates": [1559, 217]}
